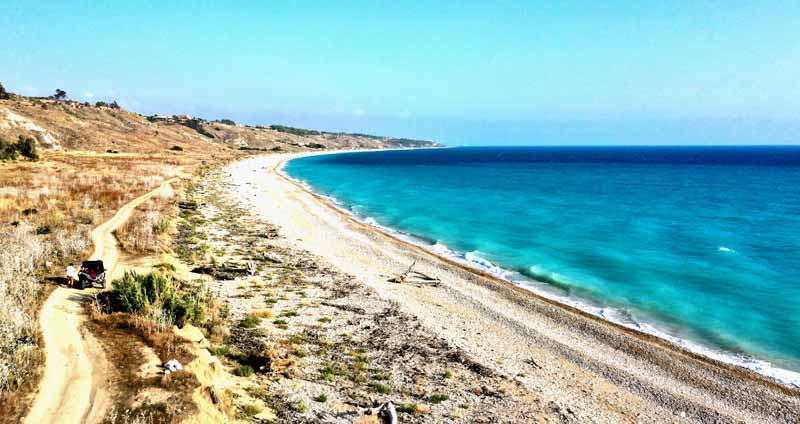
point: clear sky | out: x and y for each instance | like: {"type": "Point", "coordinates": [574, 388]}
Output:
{"type": "Point", "coordinates": [462, 72]}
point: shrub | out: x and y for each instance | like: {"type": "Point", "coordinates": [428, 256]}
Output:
{"type": "Point", "coordinates": [156, 296]}
{"type": "Point", "coordinates": [281, 323]}
{"type": "Point", "coordinates": [408, 408]}
{"type": "Point", "coordinates": [219, 350]}
{"type": "Point", "coordinates": [244, 371]}
{"type": "Point", "coordinates": [4, 95]}
{"type": "Point", "coordinates": [322, 398]}
{"type": "Point", "coordinates": [300, 406]}
{"type": "Point", "coordinates": [439, 398]}
{"type": "Point", "coordinates": [136, 292]}
{"type": "Point", "coordinates": [24, 146]}
{"type": "Point", "coordinates": [7, 151]}
{"type": "Point", "coordinates": [27, 148]}
{"type": "Point", "coordinates": [227, 121]}
{"type": "Point", "coordinates": [251, 409]}
{"type": "Point", "coordinates": [381, 388]}
{"type": "Point", "coordinates": [251, 321]}
{"type": "Point", "coordinates": [329, 372]}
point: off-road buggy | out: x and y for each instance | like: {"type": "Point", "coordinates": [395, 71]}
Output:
{"type": "Point", "coordinates": [91, 273]}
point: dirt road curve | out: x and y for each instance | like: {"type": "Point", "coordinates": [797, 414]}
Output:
{"type": "Point", "coordinates": [73, 388]}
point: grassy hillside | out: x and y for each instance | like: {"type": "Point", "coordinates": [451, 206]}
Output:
{"type": "Point", "coordinates": [66, 125]}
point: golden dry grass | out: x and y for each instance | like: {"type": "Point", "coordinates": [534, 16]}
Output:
{"type": "Point", "coordinates": [47, 210]}
{"type": "Point", "coordinates": [151, 226]}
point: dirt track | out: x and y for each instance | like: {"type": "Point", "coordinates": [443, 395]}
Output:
{"type": "Point", "coordinates": [73, 388]}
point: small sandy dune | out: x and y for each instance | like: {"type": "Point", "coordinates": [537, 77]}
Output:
{"type": "Point", "coordinates": [74, 388]}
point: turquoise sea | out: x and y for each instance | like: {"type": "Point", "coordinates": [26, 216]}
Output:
{"type": "Point", "coordinates": [698, 245]}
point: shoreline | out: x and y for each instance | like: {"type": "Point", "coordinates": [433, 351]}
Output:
{"type": "Point", "coordinates": [508, 323]}
{"type": "Point", "coordinates": [760, 367]}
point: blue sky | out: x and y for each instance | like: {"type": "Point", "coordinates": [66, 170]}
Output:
{"type": "Point", "coordinates": [505, 72]}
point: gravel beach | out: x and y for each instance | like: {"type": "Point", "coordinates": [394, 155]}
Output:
{"type": "Point", "coordinates": [576, 367]}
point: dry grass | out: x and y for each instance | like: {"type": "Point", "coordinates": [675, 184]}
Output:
{"type": "Point", "coordinates": [124, 337]}
{"type": "Point", "coordinates": [150, 227]}
{"type": "Point", "coordinates": [47, 210]}
{"type": "Point", "coordinates": [263, 313]}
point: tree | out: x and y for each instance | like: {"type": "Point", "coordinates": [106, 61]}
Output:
{"type": "Point", "coordinates": [60, 94]}
{"type": "Point", "coordinates": [7, 150]}
{"type": "Point", "coordinates": [114, 105]}
{"type": "Point", "coordinates": [4, 95]}
{"type": "Point", "coordinates": [26, 146]}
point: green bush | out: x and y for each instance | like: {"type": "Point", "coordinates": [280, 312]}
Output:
{"type": "Point", "coordinates": [27, 148]}
{"type": "Point", "coordinates": [300, 406]}
{"type": "Point", "coordinates": [380, 388]}
{"type": "Point", "coordinates": [137, 292]}
{"type": "Point", "coordinates": [145, 294]}
{"type": "Point", "coordinates": [252, 409]}
{"type": "Point", "coordinates": [408, 408]}
{"type": "Point", "coordinates": [439, 398]}
{"type": "Point", "coordinates": [221, 350]}
{"type": "Point", "coordinates": [24, 146]}
{"type": "Point", "coordinates": [251, 321]}
{"type": "Point", "coordinates": [329, 372]}
{"type": "Point", "coordinates": [244, 371]}
{"type": "Point", "coordinates": [7, 150]}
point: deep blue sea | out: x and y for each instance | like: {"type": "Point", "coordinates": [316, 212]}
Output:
{"type": "Point", "coordinates": [700, 245]}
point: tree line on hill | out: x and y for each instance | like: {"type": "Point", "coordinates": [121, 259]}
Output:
{"type": "Point", "coordinates": [61, 95]}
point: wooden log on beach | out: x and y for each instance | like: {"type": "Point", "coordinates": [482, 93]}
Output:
{"type": "Point", "coordinates": [411, 276]}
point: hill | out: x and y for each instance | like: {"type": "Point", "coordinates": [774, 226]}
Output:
{"type": "Point", "coordinates": [68, 125]}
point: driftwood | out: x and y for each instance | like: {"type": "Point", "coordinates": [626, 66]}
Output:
{"type": "Point", "coordinates": [411, 276]}
{"type": "Point", "coordinates": [188, 205]}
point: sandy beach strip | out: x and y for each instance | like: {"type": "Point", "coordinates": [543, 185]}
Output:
{"type": "Point", "coordinates": [601, 371]}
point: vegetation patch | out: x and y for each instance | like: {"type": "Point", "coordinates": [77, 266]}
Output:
{"type": "Point", "coordinates": [244, 371]}
{"type": "Point", "coordinates": [439, 398]}
{"type": "Point", "coordinates": [251, 321]}
{"type": "Point", "coordinates": [25, 147]}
